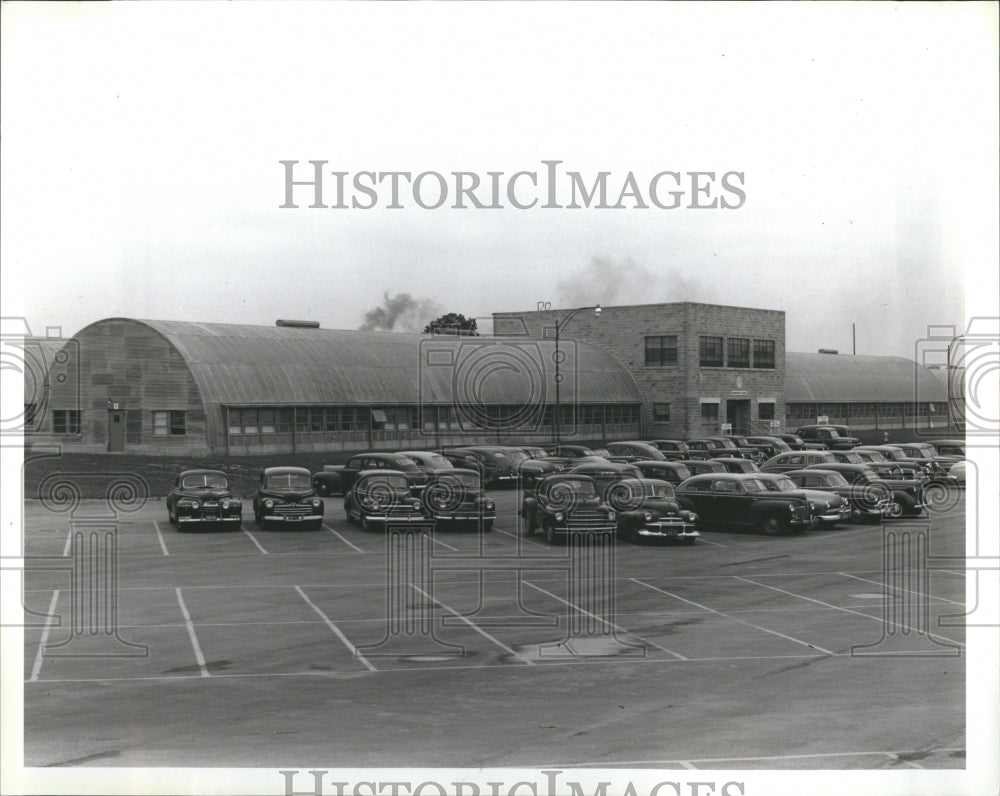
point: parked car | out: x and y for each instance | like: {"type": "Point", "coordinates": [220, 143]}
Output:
{"type": "Point", "coordinates": [565, 503]}
{"type": "Point", "coordinates": [534, 451]}
{"type": "Point", "coordinates": [493, 462]}
{"type": "Point", "coordinates": [605, 473]}
{"type": "Point", "coordinates": [703, 466]}
{"type": "Point", "coordinates": [638, 451]}
{"type": "Point", "coordinates": [428, 461]}
{"type": "Point", "coordinates": [906, 498]}
{"type": "Point", "coordinates": [456, 497]}
{"type": "Point", "coordinates": [796, 460]}
{"type": "Point", "coordinates": [202, 497]}
{"type": "Point", "coordinates": [714, 447]}
{"type": "Point", "coordinates": [523, 463]}
{"type": "Point", "coordinates": [957, 473]}
{"type": "Point", "coordinates": [826, 508]}
{"type": "Point", "coordinates": [926, 456]}
{"type": "Point", "coordinates": [949, 447]}
{"type": "Point", "coordinates": [833, 437]}
{"type": "Point", "coordinates": [671, 472]}
{"type": "Point", "coordinates": [338, 479]}
{"type": "Point", "coordinates": [672, 449]}
{"type": "Point", "coordinates": [892, 453]}
{"type": "Point", "coordinates": [796, 443]}
{"type": "Point", "coordinates": [647, 509]}
{"type": "Point", "coordinates": [286, 496]}
{"type": "Point", "coordinates": [732, 465]}
{"type": "Point", "coordinates": [379, 499]}
{"type": "Point", "coordinates": [866, 504]}
{"type": "Point", "coordinates": [847, 456]}
{"type": "Point", "coordinates": [742, 501]}
{"type": "Point", "coordinates": [771, 446]}
{"type": "Point", "coordinates": [757, 452]}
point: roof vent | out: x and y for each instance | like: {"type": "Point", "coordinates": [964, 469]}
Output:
{"type": "Point", "coordinates": [298, 324]}
{"type": "Point", "coordinates": [829, 351]}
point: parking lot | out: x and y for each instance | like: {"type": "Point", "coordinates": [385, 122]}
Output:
{"type": "Point", "coordinates": [254, 648]}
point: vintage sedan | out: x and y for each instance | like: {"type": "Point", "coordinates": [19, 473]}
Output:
{"type": "Point", "coordinates": [906, 494]}
{"type": "Point", "coordinates": [771, 446]}
{"type": "Point", "coordinates": [832, 436]}
{"type": "Point", "coordinates": [671, 472]}
{"type": "Point", "coordinates": [605, 473]}
{"type": "Point", "coordinates": [733, 500]}
{"type": "Point", "coordinates": [703, 466]}
{"type": "Point", "coordinates": [733, 465]}
{"type": "Point", "coordinates": [338, 479]}
{"type": "Point", "coordinates": [672, 449]}
{"type": "Point", "coordinates": [428, 462]}
{"type": "Point", "coordinates": [647, 509]}
{"type": "Point", "coordinates": [949, 447]}
{"type": "Point", "coordinates": [796, 460]}
{"type": "Point", "coordinates": [202, 498]}
{"type": "Point", "coordinates": [636, 451]}
{"type": "Point", "coordinates": [493, 462]}
{"type": "Point", "coordinates": [285, 496]}
{"type": "Point", "coordinates": [456, 499]}
{"type": "Point", "coordinates": [827, 508]}
{"type": "Point", "coordinates": [867, 504]}
{"type": "Point", "coordinates": [566, 503]}
{"type": "Point", "coordinates": [712, 447]}
{"type": "Point", "coordinates": [383, 498]}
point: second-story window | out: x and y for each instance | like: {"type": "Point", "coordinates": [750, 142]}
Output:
{"type": "Point", "coordinates": [710, 352]}
{"type": "Point", "coordinates": [661, 350]}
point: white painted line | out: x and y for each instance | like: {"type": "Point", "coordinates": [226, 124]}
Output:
{"type": "Point", "coordinates": [846, 610]}
{"type": "Point", "coordinates": [159, 535]}
{"type": "Point", "coordinates": [686, 764]}
{"type": "Point", "coordinates": [354, 650]}
{"type": "Point", "coordinates": [605, 621]}
{"type": "Point", "coordinates": [702, 539]}
{"type": "Point", "coordinates": [951, 572]}
{"type": "Point", "coordinates": [638, 763]}
{"type": "Point", "coordinates": [527, 539]}
{"type": "Point", "coordinates": [194, 638]}
{"type": "Point", "coordinates": [438, 541]}
{"type": "Point", "coordinates": [900, 588]}
{"type": "Point", "coordinates": [734, 618]}
{"type": "Point", "coordinates": [342, 538]}
{"type": "Point", "coordinates": [45, 637]}
{"type": "Point", "coordinates": [69, 543]}
{"type": "Point", "coordinates": [252, 539]}
{"type": "Point", "coordinates": [474, 626]}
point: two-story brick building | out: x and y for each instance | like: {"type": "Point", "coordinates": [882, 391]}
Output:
{"type": "Point", "coordinates": [700, 367]}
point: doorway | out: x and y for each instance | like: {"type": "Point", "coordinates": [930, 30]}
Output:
{"type": "Point", "coordinates": [738, 414]}
{"type": "Point", "coordinates": [116, 430]}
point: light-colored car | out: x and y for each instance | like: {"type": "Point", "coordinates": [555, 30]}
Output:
{"type": "Point", "coordinates": [957, 472]}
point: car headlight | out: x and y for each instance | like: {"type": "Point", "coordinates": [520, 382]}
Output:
{"type": "Point", "coordinates": [611, 515]}
{"type": "Point", "coordinates": [225, 505]}
{"type": "Point", "coordinates": [647, 517]}
{"type": "Point", "coordinates": [195, 504]}
{"type": "Point", "coordinates": [268, 504]}
{"type": "Point", "coordinates": [489, 505]}
{"type": "Point", "coordinates": [559, 516]}
{"type": "Point", "coordinates": [316, 503]}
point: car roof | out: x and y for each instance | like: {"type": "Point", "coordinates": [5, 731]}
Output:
{"type": "Point", "coordinates": [813, 471]}
{"type": "Point", "coordinates": [644, 481]}
{"type": "Point", "coordinates": [447, 473]}
{"type": "Point", "coordinates": [285, 469]}
{"type": "Point", "coordinates": [382, 471]}
{"type": "Point", "coordinates": [201, 471]}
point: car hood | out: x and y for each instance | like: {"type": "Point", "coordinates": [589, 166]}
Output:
{"type": "Point", "coordinates": [206, 493]}
{"type": "Point", "coordinates": [291, 495]}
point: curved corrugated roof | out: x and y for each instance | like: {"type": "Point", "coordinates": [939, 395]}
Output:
{"type": "Point", "coordinates": [839, 378]}
{"type": "Point", "coordinates": [245, 365]}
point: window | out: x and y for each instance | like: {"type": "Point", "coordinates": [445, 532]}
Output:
{"type": "Point", "coordinates": [763, 354]}
{"type": "Point", "coordinates": [738, 354]}
{"type": "Point", "coordinates": [710, 412]}
{"type": "Point", "coordinates": [172, 423]}
{"type": "Point", "coordinates": [285, 421]}
{"type": "Point", "coordinates": [65, 421]}
{"type": "Point", "coordinates": [765, 410]}
{"type": "Point", "coordinates": [710, 352]}
{"type": "Point", "coordinates": [661, 350]}
{"type": "Point", "coordinates": [661, 413]}
{"type": "Point", "coordinates": [133, 426]}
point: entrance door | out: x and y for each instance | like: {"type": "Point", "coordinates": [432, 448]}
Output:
{"type": "Point", "coordinates": [116, 430]}
{"type": "Point", "coordinates": [738, 413]}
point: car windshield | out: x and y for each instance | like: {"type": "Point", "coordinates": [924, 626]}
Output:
{"type": "Point", "coordinates": [500, 455]}
{"type": "Point", "coordinates": [894, 454]}
{"type": "Point", "coordinates": [383, 480]}
{"type": "Point", "coordinates": [852, 458]}
{"type": "Point", "coordinates": [518, 456]}
{"type": "Point", "coordinates": [470, 480]}
{"type": "Point", "coordinates": [288, 481]}
{"type": "Point", "coordinates": [796, 440]}
{"type": "Point", "coordinates": [874, 456]}
{"type": "Point", "coordinates": [204, 480]}
{"type": "Point", "coordinates": [753, 485]}
{"type": "Point", "coordinates": [727, 443]}
{"type": "Point", "coordinates": [599, 452]}
{"type": "Point", "coordinates": [835, 479]}
{"type": "Point", "coordinates": [832, 432]}
{"type": "Point", "coordinates": [440, 461]}
{"type": "Point", "coordinates": [682, 471]}
{"type": "Point", "coordinates": [658, 490]}
{"type": "Point", "coordinates": [780, 484]}
{"type": "Point", "coordinates": [561, 490]}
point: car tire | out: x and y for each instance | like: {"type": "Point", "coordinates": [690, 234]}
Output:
{"type": "Point", "coordinates": [897, 509]}
{"type": "Point", "coordinates": [488, 526]}
{"type": "Point", "coordinates": [323, 489]}
{"type": "Point", "coordinates": [550, 533]}
{"type": "Point", "coordinates": [530, 525]}
{"type": "Point", "coordinates": [690, 540]}
{"type": "Point", "coordinates": [772, 525]}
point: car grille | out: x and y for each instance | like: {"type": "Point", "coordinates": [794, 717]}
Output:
{"type": "Point", "coordinates": [293, 511]}
{"type": "Point", "coordinates": [401, 511]}
{"type": "Point", "coordinates": [589, 520]}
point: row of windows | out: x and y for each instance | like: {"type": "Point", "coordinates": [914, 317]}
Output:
{"type": "Point", "coordinates": [710, 412]}
{"type": "Point", "coordinates": [713, 352]}
{"type": "Point", "coordinates": [165, 423]}
{"type": "Point", "coordinates": [316, 419]}
{"type": "Point", "coordinates": [810, 411]}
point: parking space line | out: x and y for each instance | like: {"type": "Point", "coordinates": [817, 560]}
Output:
{"type": "Point", "coordinates": [515, 536]}
{"type": "Point", "coordinates": [734, 618]}
{"type": "Point", "coordinates": [69, 543]}
{"type": "Point", "coordinates": [952, 572]}
{"type": "Point", "coordinates": [605, 621]}
{"type": "Point", "coordinates": [342, 538]}
{"type": "Point", "coordinates": [717, 544]}
{"type": "Point", "coordinates": [845, 610]}
{"type": "Point", "coordinates": [159, 535]}
{"type": "Point", "coordinates": [347, 642]}
{"type": "Point", "coordinates": [438, 541]}
{"type": "Point", "coordinates": [900, 588]}
{"type": "Point", "coordinates": [689, 763]}
{"type": "Point", "coordinates": [252, 539]}
{"type": "Point", "coordinates": [194, 638]}
{"type": "Point", "coordinates": [45, 637]}
{"type": "Point", "coordinates": [474, 626]}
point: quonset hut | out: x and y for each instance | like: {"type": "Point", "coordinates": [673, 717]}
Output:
{"type": "Point", "coordinates": [169, 387]}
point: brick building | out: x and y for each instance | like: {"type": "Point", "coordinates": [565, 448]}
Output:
{"type": "Point", "coordinates": [700, 368]}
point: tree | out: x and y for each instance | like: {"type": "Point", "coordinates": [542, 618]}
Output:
{"type": "Point", "coordinates": [452, 323]}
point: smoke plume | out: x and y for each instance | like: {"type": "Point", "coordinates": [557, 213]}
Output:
{"type": "Point", "coordinates": [621, 280]}
{"type": "Point", "coordinates": [400, 313]}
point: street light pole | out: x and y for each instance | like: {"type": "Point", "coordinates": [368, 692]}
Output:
{"type": "Point", "coordinates": [543, 306]}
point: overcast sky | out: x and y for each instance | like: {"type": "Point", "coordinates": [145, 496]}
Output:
{"type": "Point", "coordinates": [141, 149]}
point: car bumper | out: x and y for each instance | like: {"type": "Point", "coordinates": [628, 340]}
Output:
{"type": "Point", "coordinates": [295, 519]}
{"type": "Point", "coordinates": [665, 530]}
{"type": "Point", "coordinates": [609, 528]}
{"type": "Point", "coordinates": [465, 517]}
{"type": "Point", "coordinates": [836, 516]}
{"type": "Point", "coordinates": [210, 520]}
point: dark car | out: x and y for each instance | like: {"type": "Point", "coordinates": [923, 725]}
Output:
{"type": "Point", "coordinates": [732, 500]}
{"type": "Point", "coordinates": [912, 468]}
{"type": "Point", "coordinates": [647, 509]}
{"type": "Point", "coordinates": [907, 495]}
{"type": "Point", "coordinates": [456, 498]}
{"type": "Point", "coordinates": [285, 496]}
{"type": "Point", "coordinates": [493, 462]}
{"type": "Point", "coordinates": [703, 466]}
{"type": "Point", "coordinates": [954, 448]}
{"type": "Point", "coordinates": [672, 449]}
{"type": "Point", "coordinates": [832, 436]}
{"type": "Point", "coordinates": [771, 446]}
{"type": "Point", "coordinates": [338, 479]}
{"type": "Point", "coordinates": [605, 473]}
{"type": "Point", "coordinates": [751, 449]}
{"type": "Point", "coordinates": [827, 508]}
{"type": "Point", "coordinates": [714, 447]}
{"type": "Point", "coordinates": [671, 472]}
{"type": "Point", "coordinates": [565, 503]}
{"type": "Point", "coordinates": [796, 460]}
{"type": "Point", "coordinates": [733, 465]}
{"type": "Point", "coordinates": [796, 443]}
{"type": "Point", "coordinates": [871, 504]}
{"type": "Point", "coordinates": [637, 451]}
{"type": "Point", "coordinates": [202, 497]}
{"type": "Point", "coordinates": [525, 465]}
{"type": "Point", "coordinates": [379, 499]}
{"type": "Point", "coordinates": [428, 461]}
